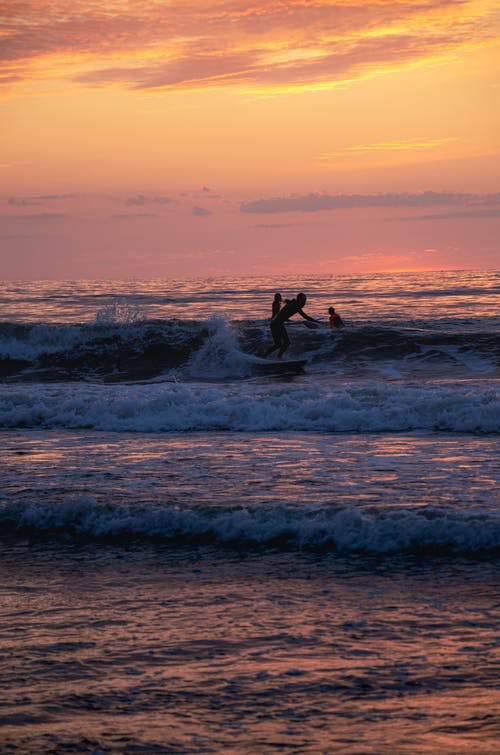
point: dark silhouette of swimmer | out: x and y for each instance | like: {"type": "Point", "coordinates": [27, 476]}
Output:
{"type": "Point", "coordinates": [276, 304]}
{"type": "Point", "coordinates": [335, 319]}
{"type": "Point", "coordinates": [278, 330]}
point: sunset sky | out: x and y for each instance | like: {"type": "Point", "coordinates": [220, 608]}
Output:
{"type": "Point", "coordinates": [148, 138]}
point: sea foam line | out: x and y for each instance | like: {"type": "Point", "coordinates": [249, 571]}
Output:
{"type": "Point", "coordinates": [376, 406]}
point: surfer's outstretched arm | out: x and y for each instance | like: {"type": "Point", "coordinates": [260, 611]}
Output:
{"type": "Point", "coordinates": [306, 317]}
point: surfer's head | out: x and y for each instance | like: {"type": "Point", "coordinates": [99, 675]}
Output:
{"type": "Point", "coordinates": [301, 299]}
{"type": "Point", "coordinates": [277, 297]}
{"type": "Point", "coordinates": [331, 311]}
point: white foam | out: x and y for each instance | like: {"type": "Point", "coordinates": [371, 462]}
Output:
{"type": "Point", "coordinates": [373, 406]}
{"type": "Point", "coordinates": [120, 312]}
{"type": "Point", "coordinates": [220, 356]}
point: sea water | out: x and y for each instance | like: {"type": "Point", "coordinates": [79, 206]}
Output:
{"type": "Point", "coordinates": [197, 557]}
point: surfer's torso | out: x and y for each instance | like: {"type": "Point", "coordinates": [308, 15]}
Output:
{"type": "Point", "coordinates": [291, 308]}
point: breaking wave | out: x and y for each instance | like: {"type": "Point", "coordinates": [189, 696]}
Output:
{"type": "Point", "coordinates": [347, 530]}
{"type": "Point", "coordinates": [308, 405]}
{"type": "Point", "coordinates": [122, 346]}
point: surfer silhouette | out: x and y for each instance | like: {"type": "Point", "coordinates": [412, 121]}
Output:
{"type": "Point", "coordinates": [278, 330]}
{"type": "Point", "coordinates": [276, 304]}
{"type": "Point", "coordinates": [335, 319]}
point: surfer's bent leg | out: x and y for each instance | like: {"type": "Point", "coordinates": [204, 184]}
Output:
{"type": "Point", "coordinates": [276, 334]}
{"type": "Point", "coordinates": [285, 342]}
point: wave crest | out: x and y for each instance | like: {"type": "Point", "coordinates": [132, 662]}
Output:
{"type": "Point", "coordinates": [374, 406]}
{"type": "Point", "coordinates": [347, 530]}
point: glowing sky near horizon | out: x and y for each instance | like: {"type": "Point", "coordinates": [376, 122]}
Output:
{"type": "Point", "coordinates": [207, 137]}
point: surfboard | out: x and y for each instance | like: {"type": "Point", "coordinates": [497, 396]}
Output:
{"type": "Point", "coordinates": [280, 366]}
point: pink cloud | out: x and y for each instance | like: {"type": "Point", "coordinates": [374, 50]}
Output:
{"type": "Point", "coordinates": [89, 243]}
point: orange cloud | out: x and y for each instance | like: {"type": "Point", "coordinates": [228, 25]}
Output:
{"type": "Point", "coordinates": [222, 43]}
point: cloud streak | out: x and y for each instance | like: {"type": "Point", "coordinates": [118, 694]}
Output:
{"type": "Point", "coordinates": [400, 145]}
{"type": "Point", "coordinates": [37, 216]}
{"type": "Point", "coordinates": [214, 43]}
{"type": "Point", "coordinates": [40, 199]}
{"type": "Point", "coordinates": [323, 202]}
{"type": "Point", "coordinates": [465, 215]}
{"type": "Point", "coordinates": [140, 199]}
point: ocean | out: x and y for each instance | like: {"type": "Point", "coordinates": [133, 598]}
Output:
{"type": "Point", "coordinates": [201, 552]}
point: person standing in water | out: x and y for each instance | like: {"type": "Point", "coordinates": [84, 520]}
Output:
{"type": "Point", "coordinates": [335, 319]}
{"type": "Point", "coordinates": [276, 304]}
{"type": "Point", "coordinates": [278, 330]}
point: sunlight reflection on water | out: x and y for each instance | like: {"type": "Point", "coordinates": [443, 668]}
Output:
{"type": "Point", "coordinates": [382, 297]}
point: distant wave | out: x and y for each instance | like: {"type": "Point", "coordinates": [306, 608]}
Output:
{"type": "Point", "coordinates": [309, 405]}
{"type": "Point", "coordinates": [141, 350]}
{"type": "Point", "coordinates": [346, 530]}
